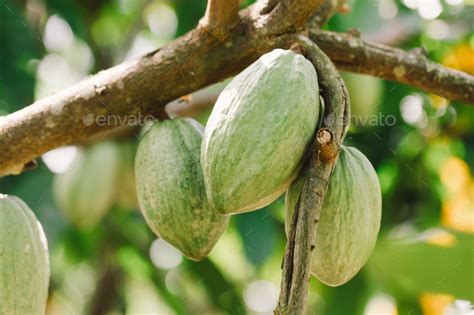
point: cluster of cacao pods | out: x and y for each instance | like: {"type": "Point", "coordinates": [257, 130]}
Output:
{"type": "Point", "coordinates": [24, 260]}
{"type": "Point", "coordinates": [100, 176]}
{"type": "Point", "coordinates": [190, 178]}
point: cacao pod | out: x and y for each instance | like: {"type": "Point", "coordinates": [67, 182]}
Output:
{"type": "Point", "coordinates": [349, 221]}
{"type": "Point", "coordinates": [259, 131]}
{"type": "Point", "coordinates": [365, 93]}
{"type": "Point", "coordinates": [88, 189]}
{"type": "Point", "coordinates": [171, 191]}
{"type": "Point", "coordinates": [24, 262]}
{"type": "Point", "coordinates": [127, 192]}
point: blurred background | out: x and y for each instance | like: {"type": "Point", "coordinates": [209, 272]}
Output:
{"type": "Point", "coordinates": [421, 145]}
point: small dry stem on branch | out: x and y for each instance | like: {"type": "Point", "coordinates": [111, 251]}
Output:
{"type": "Point", "coordinates": [220, 17]}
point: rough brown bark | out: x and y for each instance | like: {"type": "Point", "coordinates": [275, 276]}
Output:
{"type": "Point", "coordinates": [133, 89]}
{"type": "Point", "coordinates": [143, 87]}
{"type": "Point", "coordinates": [138, 88]}
{"type": "Point", "coordinates": [221, 16]}
{"type": "Point", "coordinates": [300, 244]}
{"type": "Point", "coordinates": [275, 17]}
{"type": "Point", "coordinates": [351, 53]}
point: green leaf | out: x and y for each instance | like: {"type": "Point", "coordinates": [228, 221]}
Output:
{"type": "Point", "coordinates": [258, 232]}
{"type": "Point", "coordinates": [220, 290]}
{"type": "Point", "coordinates": [19, 44]}
{"type": "Point", "coordinates": [349, 298]}
{"type": "Point", "coordinates": [413, 266]}
{"type": "Point", "coordinates": [189, 12]}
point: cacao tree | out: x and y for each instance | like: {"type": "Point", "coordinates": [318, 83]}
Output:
{"type": "Point", "coordinates": [280, 125]}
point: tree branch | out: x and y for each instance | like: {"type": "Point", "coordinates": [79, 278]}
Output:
{"type": "Point", "coordinates": [221, 16]}
{"type": "Point", "coordinates": [300, 244]}
{"type": "Point", "coordinates": [283, 16]}
{"type": "Point", "coordinates": [127, 93]}
{"type": "Point", "coordinates": [121, 95]}
{"type": "Point", "coordinates": [353, 54]}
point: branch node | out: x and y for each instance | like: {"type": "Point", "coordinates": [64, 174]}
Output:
{"type": "Point", "coordinates": [30, 165]}
{"type": "Point", "coordinates": [354, 32]}
{"type": "Point", "coordinates": [344, 8]}
{"type": "Point", "coordinates": [296, 47]}
{"type": "Point", "coordinates": [269, 7]}
{"type": "Point", "coordinates": [419, 52]}
{"type": "Point", "coordinates": [324, 136]}
{"type": "Point", "coordinates": [328, 148]}
{"type": "Point", "coordinates": [221, 16]}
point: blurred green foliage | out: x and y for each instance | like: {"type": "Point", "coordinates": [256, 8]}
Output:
{"type": "Point", "coordinates": [422, 147]}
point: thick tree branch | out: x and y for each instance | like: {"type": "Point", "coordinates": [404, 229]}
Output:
{"type": "Point", "coordinates": [282, 16]}
{"type": "Point", "coordinates": [221, 15]}
{"type": "Point", "coordinates": [300, 244]}
{"type": "Point", "coordinates": [127, 93]}
{"type": "Point", "coordinates": [121, 95]}
{"type": "Point", "coordinates": [353, 54]}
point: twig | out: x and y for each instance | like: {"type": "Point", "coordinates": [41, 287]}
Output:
{"type": "Point", "coordinates": [221, 16]}
{"type": "Point", "coordinates": [282, 16]}
{"type": "Point", "coordinates": [297, 260]}
{"type": "Point", "coordinates": [322, 15]}
{"type": "Point", "coordinates": [353, 54]}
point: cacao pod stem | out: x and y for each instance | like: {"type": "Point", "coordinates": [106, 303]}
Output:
{"type": "Point", "coordinates": [297, 259]}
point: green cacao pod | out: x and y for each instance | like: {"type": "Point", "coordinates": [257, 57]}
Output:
{"type": "Point", "coordinates": [127, 192]}
{"type": "Point", "coordinates": [88, 189]}
{"type": "Point", "coordinates": [259, 131]}
{"type": "Point", "coordinates": [24, 262]}
{"type": "Point", "coordinates": [366, 95]}
{"type": "Point", "coordinates": [171, 191]}
{"type": "Point", "coordinates": [349, 220]}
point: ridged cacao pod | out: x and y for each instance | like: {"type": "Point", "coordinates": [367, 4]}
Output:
{"type": "Point", "coordinates": [259, 131]}
{"type": "Point", "coordinates": [127, 192]}
{"type": "Point", "coordinates": [171, 191]}
{"type": "Point", "coordinates": [366, 93]}
{"type": "Point", "coordinates": [349, 220]}
{"type": "Point", "coordinates": [24, 261]}
{"type": "Point", "coordinates": [88, 189]}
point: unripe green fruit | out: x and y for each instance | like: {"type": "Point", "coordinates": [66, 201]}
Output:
{"type": "Point", "coordinates": [350, 218]}
{"type": "Point", "coordinates": [365, 94]}
{"type": "Point", "coordinates": [259, 131]}
{"type": "Point", "coordinates": [127, 192]}
{"type": "Point", "coordinates": [24, 261]}
{"type": "Point", "coordinates": [171, 189]}
{"type": "Point", "coordinates": [88, 189]}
